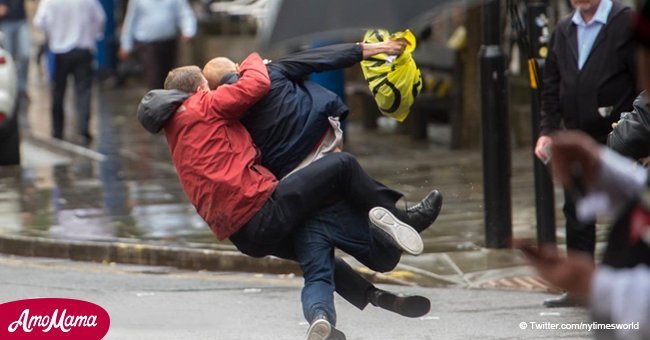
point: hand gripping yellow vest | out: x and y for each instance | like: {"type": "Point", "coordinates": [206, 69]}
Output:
{"type": "Point", "coordinates": [394, 81]}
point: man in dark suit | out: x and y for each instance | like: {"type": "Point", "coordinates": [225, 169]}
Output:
{"type": "Point", "coordinates": [617, 290]}
{"type": "Point", "coordinates": [589, 79]}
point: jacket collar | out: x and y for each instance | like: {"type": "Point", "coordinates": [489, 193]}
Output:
{"type": "Point", "coordinates": [568, 28]}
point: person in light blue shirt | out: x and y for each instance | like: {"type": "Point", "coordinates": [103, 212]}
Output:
{"type": "Point", "coordinates": [150, 31]}
{"type": "Point", "coordinates": [588, 29]}
{"type": "Point", "coordinates": [589, 79]}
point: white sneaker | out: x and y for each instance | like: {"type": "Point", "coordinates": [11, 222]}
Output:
{"type": "Point", "coordinates": [406, 238]}
{"type": "Point", "coordinates": [320, 329]}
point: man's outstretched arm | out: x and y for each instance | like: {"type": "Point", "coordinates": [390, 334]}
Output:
{"type": "Point", "coordinates": [300, 64]}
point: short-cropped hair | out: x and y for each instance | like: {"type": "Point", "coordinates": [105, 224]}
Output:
{"type": "Point", "coordinates": [215, 69]}
{"type": "Point", "coordinates": [186, 79]}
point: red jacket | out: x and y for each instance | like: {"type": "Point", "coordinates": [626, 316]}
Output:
{"type": "Point", "coordinates": [216, 160]}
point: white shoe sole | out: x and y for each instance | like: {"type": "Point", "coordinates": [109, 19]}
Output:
{"type": "Point", "coordinates": [319, 330]}
{"type": "Point", "coordinates": [403, 234]}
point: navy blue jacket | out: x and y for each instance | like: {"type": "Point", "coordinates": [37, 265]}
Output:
{"type": "Point", "coordinates": [291, 120]}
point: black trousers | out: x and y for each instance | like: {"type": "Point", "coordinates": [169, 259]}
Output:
{"type": "Point", "coordinates": [78, 63]}
{"type": "Point", "coordinates": [157, 58]}
{"type": "Point", "coordinates": [350, 285]}
{"type": "Point", "coordinates": [579, 236]}
{"type": "Point", "coordinates": [332, 178]}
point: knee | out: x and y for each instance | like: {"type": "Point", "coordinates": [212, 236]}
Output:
{"type": "Point", "coordinates": [318, 274]}
{"type": "Point", "coordinates": [346, 157]}
{"type": "Point", "coordinates": [385, 263]}
{"type": "Point", "coordinates": [345, 160]}
{"type": "Point", "coordinates": [317, 268]}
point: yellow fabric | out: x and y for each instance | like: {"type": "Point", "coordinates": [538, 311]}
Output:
{"type": "Point", "coordinates": [393, 81]}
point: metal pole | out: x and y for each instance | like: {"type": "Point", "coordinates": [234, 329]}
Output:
{"type": "Point", "coordinates": [538, 35]}
{"type": "Point", "coordinates": [495, 132]}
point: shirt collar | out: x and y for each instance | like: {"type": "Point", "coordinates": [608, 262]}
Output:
{"type": "Point", "coordinates": [601, 15]}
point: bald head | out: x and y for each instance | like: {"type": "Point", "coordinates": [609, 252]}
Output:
{"type": "Point", "coordinates": [216, 68]}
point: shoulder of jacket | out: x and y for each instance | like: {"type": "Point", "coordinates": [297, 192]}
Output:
{"type": "Point", "coordinates": [621, 12]}
{"type": "Point", "coordinates": [618, 7]}
{"type": "Point", "coordinates": [564, 24]}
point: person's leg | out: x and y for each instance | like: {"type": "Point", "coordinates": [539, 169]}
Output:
{"type": "Point", "coordinates": [148, 58]}
{"type": "Point", "coordinates": [10, 32]}
{"type": "Point", "coordinates": [349, 232]}
{"type": "Point", "coordinates": [335, 177]}
{"type": "Point", "coordinates": [579, 236]}
{"type": "Point", "coordinates": [18, 43]}
{"type": "Point", "coordinates": [166, 53]}
{"type": "Point", "coordinates": [83, 80]}
{"type": "Point", "coordinates": [340, 175]}
{"type": "Point", "coordinates": [61, 71]}
{"type": "Point", "coordinates": [23, 54]}
{"type": "Point", "coordinates": [315, 254]}
{"type": "Point", "coordinates": [341, 226]}
{"type": "Point", "coordinates": [320, 271]}
{"type": "Point", "coordinates": [349, 284]}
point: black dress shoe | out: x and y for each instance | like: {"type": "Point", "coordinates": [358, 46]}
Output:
{"type": "Point", "coordinates": [423, 214]}
{"type": "Point", "coordinates": [411, 306]}
{"type": "Point", "coordinates": [563, 300]}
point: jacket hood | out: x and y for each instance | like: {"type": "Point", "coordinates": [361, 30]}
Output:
{"type": "Point", "coordinates": [158, 106]}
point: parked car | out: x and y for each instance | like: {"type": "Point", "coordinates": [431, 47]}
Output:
{"type": "Point", "coordinates": [9, 132]}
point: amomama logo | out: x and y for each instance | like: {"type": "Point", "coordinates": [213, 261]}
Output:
{"type": "Point", "coordinates": [53, 318]}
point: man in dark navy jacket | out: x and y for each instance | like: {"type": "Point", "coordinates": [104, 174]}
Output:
{"type": "Point", "coordinates": [296, 123]}
{"type": "Point", "coordinates": [589, 79]}
{"type": "Point", "coordinates": [293, 118]}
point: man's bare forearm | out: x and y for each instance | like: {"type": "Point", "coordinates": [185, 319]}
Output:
{"type": "Point", "coordinates": [391, 47]}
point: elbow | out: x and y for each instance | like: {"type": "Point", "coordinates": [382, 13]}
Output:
{"type": "Point", "coordinates": [256, 91]}
{"type": "Point", "coordinates": [261, 92]}
{"type": "Point", "coordinates": [267, 85]}
{"type": "Point", "coordinates": [263, 87]}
